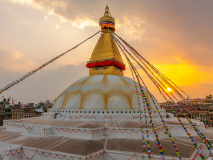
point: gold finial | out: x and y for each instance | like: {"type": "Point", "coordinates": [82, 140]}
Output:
{"type": "Point", "coordinates": [107, 21]}
{"type": "Point", "coordinates": [107, 13]}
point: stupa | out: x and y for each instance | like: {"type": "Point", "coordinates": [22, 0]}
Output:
{"type": "Point", "coordinates": [105, 90]}
{"type": "Point", "coordinates": [97, 117]}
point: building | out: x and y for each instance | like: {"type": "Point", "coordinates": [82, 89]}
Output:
{"type": "Point", "coordinates": [45, 105]}
{"type": "Point", "coordinates": [17, 111]}
{"type": "Point", "coordinates": [2, 116]}
{"type": "Point", "coordinates": [197, 108]}
{"type": "Point", "coordinates": [97, 117]}
{"type": "Point", "coordinates": [202, 102]}
{"type": "Point", "coordinates": [5, 111]}
{"type": "Point", "coordinates": [5, 103]}
{"type": "Point", "coordinates": [210, 116]}
{"type": "Point", "coordinates": [29, 111]}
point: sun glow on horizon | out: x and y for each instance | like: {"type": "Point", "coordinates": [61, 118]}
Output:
{"type": "Point", "coordinates": [169, 89]}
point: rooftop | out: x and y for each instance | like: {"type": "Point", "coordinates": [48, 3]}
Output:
{"type": "Point", "coordinates": [85, 147]}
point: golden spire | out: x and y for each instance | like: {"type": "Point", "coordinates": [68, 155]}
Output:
{"type": "Point", "coordinates": [106, 58]}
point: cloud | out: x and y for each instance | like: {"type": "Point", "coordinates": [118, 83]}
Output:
{"type": "Point", "coordinates": [185, 74]}
{"type": "Point", "coordinates": [45, 84]}
{"type": "Point", "coordinates": [186, 28]}
{"type": "Point", "coordinates": [133, 27]}
{"type": "Point", "coordinates": [57, 26]}
{"type": "Point", "coordinates": [176, 36]}
{"type": "Point", "coordinates": [26, 2]}
{"type": "Point", "coordinates": [15, 61]}
{"type": "Point", "coordinates": [81, 23]}
{"type": "Point", "coordinates": [61, 9]}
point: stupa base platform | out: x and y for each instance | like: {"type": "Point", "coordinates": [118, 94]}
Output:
{"type": "Point", "coordinates": [49, 148]}
{"type": "Point", "coordinates": [41, 138]}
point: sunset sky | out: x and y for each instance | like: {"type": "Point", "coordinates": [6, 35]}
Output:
{"type": "Point", "coordinates": [176, 36]}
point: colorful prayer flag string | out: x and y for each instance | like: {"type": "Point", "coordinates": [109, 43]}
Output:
{"type": "Point", "coordinates": [147, 107]}
{"type": "Point", "coordinates": [153, 67]}
{"type": "Point", "coordinates": [194, 142]}
{"type": "Point", "coordinates": [201, 135]}
{"type": "Point", "coordinates": [42, 66]}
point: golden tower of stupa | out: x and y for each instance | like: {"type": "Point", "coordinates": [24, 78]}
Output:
{"type": "Point", "coordinates": [106, 58]}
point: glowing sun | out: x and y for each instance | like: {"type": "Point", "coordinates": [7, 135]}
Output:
{"type": "Point", "coordinates": [169, 89]}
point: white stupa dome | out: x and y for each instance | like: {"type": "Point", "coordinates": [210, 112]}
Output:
{"type": "Point", "coordinates": [102, 92]}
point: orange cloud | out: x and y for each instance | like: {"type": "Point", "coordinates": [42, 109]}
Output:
{"type": "Point", "coordinates": [16, 61]}
{"type": "Point", "coordinates": [187, 76]}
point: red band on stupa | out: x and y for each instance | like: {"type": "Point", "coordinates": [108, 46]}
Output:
{"type": "Point", "coordinates": [106, 63]}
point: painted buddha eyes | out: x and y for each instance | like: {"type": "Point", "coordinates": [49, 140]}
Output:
{"type": "Point", "coordinates": [97, 68]}
{"type": "Point", "coordinates": [104, 67]}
